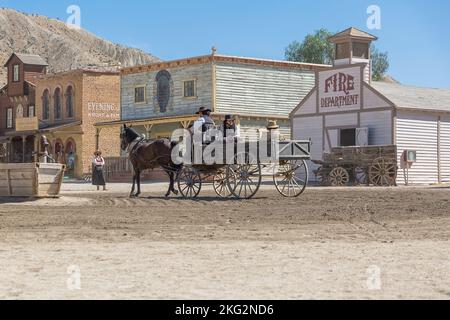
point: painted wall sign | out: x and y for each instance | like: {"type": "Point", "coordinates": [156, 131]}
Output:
{"type": "Point", "coordinates": [100, 110]}
{"type": "Point", "coordinates": [340, 89]}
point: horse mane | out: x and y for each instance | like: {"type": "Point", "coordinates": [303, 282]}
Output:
{"type": "Point", "coordinates": [131, 134]}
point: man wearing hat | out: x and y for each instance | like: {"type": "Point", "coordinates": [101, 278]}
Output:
{"type": "Point", "coordinates": [204, 122]}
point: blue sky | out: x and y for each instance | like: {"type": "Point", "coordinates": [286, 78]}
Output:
{"type": "Point", "coordinates": [414, 32]}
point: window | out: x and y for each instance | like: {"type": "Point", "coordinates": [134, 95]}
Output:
{"type": "Point", "coordinates": [9, 118]}
{"type": "Point", "coordinates": [189, 89]}
{"type": "Point", "coordinates": [46, 105]}
{"type": "Point", "coordinates": [16, 69]}
{"type": "Point", "coordinates": [163, 81]}
{"type": "Point", "coordinates": [139, 95]}
{"type": "Point", "coordinates": [57, 104]}
{"type": "Point", "coordinates": [69, 102]}
{"type": "Point", "coordinates": [342, 51]}
{"type": "Point", "coordinates": [19, 112]}
{"type": "Point", "coordinates": [348, 137]}
{"type": "Point", "coordinates": [361, 50]}
{"type": "Point", "coordinates": [31, 112]}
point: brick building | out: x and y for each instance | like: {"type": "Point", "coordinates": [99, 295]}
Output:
{"type": "Point", "coordinates": [64, 107]}
{"type": "Point", "coordinates": [68, 105]}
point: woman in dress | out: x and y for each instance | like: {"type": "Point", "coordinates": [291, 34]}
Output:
{"type": "Point", "coordinates": [98, 177]}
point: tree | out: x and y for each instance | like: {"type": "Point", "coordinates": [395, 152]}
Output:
{"type": "Point", "coordinates": [380, 64]}
{"type": "Point", "coordinates": [315, 48]}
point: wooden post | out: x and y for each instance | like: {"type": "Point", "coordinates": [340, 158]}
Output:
{"type": "Point", "coordinates": [148, 130]}
{"type": "Point", "coordinates": [24, 142]}
{"type": "Point", "coordinates": [37, 140]}
{"type": "Point", "coordinates": [97, 138]}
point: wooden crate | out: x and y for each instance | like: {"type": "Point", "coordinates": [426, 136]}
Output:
{"type": "Point", "coordinates": [31, 180]}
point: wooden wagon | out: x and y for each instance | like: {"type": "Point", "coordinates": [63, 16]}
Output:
{"type": "Point", "coordinates": [31, 179]}
{"type": "Point", "coordinates": [371, 165]}
{"type": "Point", "coordinates": [242, 177]}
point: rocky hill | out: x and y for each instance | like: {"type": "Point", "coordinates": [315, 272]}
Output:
{"type": "Point", "coordinates": [62, 47]}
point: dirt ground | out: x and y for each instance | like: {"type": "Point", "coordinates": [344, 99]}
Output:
{"type": "Point", "coordinates": [351, 243]}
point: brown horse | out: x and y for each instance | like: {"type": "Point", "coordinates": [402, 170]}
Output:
{"type": "Point", "coordinates": [148, 154]}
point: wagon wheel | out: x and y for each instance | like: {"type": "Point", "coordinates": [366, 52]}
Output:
{"type": "Point", "coordinates": [220, 185]}
{"type": "Point", "coordinates": [244, 178]}
{"type": "Point", "coordinates": [292, 178]}
{"type": "Point", "coordinates": [189, 182]}
{"type": "Point", "coordinates": [383, 173]}
{"type": "Point", "coordinates": [339, 177]}
{"type": "Point", "coordinates": [361, 176]}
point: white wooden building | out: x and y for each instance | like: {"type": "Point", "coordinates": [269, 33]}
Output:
{"type": "Point", "coordinates": [346, 108]}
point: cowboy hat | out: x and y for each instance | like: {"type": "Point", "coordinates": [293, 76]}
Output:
{"type": "Point", "coordinates": [203, 110]}
{"type": "Point", "coordinates": [272, 125]}
{"type": "Point", "coordinates": [229, 117]}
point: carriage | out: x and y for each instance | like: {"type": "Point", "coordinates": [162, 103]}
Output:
{"type": "Point", "coordinates": [369, 165]}
{"type": "Point", "coordinates": [241, 173]}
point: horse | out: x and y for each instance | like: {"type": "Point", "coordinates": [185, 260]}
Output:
{"type": "Point", "coordinates": [147, 154]}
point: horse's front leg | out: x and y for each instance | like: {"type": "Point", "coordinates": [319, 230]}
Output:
{"type": "Point", "coordinates": [132, 195]}
{"type": "Point", "coordinates": [138, 180]}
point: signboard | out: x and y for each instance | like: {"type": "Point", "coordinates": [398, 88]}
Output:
{"type": "Point", "coordinates": [103, 111]}
{"type": "Point", "coordinates": [340, 89]}
{"type": "Point", "coordinates": [27, 124]}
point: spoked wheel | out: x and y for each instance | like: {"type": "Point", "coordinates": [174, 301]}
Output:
{"type": "Point", "coordinates": [220, 185]}
{"type": "Point", "coordinates": [292, 178]}
{"type": "Point", "coordinates": [244, 178]}
{"type": "Point", "coordinates": [383, 173]}
{"type": "Point", "coordinates": [189, 182]}
{"type": "Point", "coordinates": [339, 177]}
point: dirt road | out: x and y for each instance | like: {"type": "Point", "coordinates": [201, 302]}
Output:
{"type": "Point", "coordinates": [330, 243]}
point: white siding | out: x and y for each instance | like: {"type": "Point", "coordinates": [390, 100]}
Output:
{"type": "Point", "coordinates": [373, 100]}
{"type": "Point", "coordinates": [445, 149]}
{"type": "Point", "coordinates": [418, 132]}
{"type": "Point", "coordinates": [310, 128]}
{"type": "Point", "coordinates": [310, 105]}
{"type": "Point", "coordinates": [252, 89]}
{"type": "Point", "coordinates": [342, 120]}
{"type": "Point", "coordinates": [380, 126]}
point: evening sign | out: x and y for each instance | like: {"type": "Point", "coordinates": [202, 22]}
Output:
{"type": "Point", "coordinates": [340, 90]}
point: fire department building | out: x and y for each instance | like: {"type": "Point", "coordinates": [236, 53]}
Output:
{"type": "Point", "coordinates": [345, 108]}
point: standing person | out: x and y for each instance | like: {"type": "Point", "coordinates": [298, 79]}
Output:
{"type": "Point", "coordinates": [98, 177]}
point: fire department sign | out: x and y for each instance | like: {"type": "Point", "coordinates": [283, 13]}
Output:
{"type": "Point", "coordinates": [340, 89]}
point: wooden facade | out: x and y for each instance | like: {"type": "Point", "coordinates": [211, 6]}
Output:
{"type": "Point", "coordinates": [254, 90]}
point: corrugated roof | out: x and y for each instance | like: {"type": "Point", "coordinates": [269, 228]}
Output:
{"type": "Point", "coordinates": [353, 33]}
{"type": "Point", "coordinates": [30, 59]}
{"type": "Point", "coordinates": [410, 97]}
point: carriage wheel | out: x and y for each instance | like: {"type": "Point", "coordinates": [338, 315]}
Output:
{"type": "Point", "coordinates": [189, 182]}
{"type": "Point", "coordinates": [244, 178]}
{"type": "Point", "coordinates": [292, 178]}
{"type": "Point", "coordinates": [339, 177]}
{"type": "Point", "coordinates": [220, 185]}
{"type": "Point", "coordinates": [361, 176]}
{"type": "Point", "coordinates": [383, 173]}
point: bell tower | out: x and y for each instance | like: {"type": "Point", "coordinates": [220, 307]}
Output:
{"type": "Point", "coordinates": [353, 46]}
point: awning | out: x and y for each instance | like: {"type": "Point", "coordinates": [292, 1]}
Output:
{"type": "Point", "coordinates": [57, 127]}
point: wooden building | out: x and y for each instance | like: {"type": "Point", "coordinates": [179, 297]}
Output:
{"type": "Point", "coordinates": [346, 108]}
{"type": "Point", "coordinates": [161, 97]}
{"type": "Point", "coordinates": [18, 107]}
